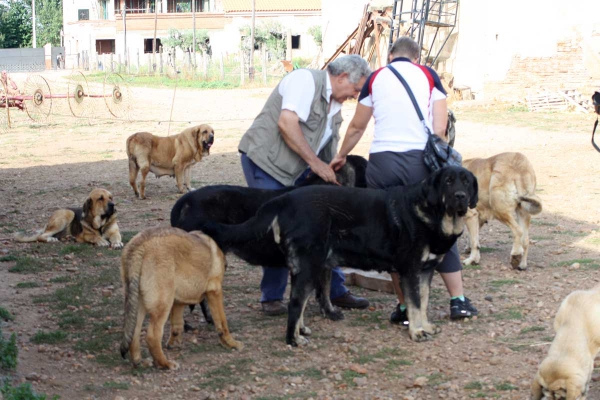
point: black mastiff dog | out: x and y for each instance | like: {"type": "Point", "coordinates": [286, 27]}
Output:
{"type": "Point", "coordinates": [403, 229]}
{"type": "Point", "coordinates": [234, 205]}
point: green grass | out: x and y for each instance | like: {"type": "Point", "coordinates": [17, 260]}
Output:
{"type": "Point", "coordinates": [532, 329]}
{"type": "Point", "coordinates": [587, 263]}
{"type": "Point", "coordinates": [348, 377]}
{"type": "Point", "coordinates": [8, 352]}
{"type": "Point", "coordinates": [503, 282]}
{"type": "Point", "coordinates": [28, 265]}
{"type": "Point", "coordinates": [474, 385]}
{"type": "Point", "coordinates": [127, 236]}
{"type": "Point", "coordinates": [505, 386]}
{"type": "Point", "coordinates": [27, 285]}
{"type": "Point", "coordinates": [512, 313]}
{"type": "Point", "coordinates": [23, 391]}
{"type": "Point", "coordinates": [309, 373]}
{"type": "Point", "coordinates": [8, 258]}
{"type": "Point", "coordinates": [487, 249]}
{"type": "Point", "coordinates": [116, 385]}
{"type": "Point", "coordinates": [472, 266]}
{"type": "Point", "coordinates": [71, 319]}
{"type": "Point", "coordinates": [570, 233]}
{"type": "Point", "coordinates": [61, 279]}
{"type": "Point", "coordinates": [49, 337]}
{"type": "Point", "coordinates": [5, 314]}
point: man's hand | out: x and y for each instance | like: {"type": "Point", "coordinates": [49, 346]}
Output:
{"type": "Point", "coordinates": [324, 171]}
{"type": "Point", "coordinates": [337, 162]}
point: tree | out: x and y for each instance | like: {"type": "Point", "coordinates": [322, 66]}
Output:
{"type": "Point", "coordinates": [315, 32]}
{"type": "Point", "coordinates": [15, 24]}
{"type": "Point", "coordinates": [49, 22]}
{"type": "Point", "coordinates": [269, 33]}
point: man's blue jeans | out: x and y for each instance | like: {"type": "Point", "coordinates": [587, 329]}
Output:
{"type": "Point", "coordinates": [275, 279]}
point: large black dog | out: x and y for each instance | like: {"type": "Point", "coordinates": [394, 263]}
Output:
{"type": "Point", "coordinates": [403, 229]}
{"type": "Point", "coordinates": [234, 205]}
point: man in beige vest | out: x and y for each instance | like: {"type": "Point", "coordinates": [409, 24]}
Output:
{"type": "Point", "coordinates": [296, 133]}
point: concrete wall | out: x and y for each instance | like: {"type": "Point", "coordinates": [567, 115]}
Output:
{"type": "Point", "coordinates": [22, 60]}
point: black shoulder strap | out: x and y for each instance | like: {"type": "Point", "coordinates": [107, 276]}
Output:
{"type": "Point", "coordinates": [412, 97]}
{"type": "Point", "coordinates": [593, 132]}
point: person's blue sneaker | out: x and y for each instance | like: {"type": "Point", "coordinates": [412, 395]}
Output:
{"type": "Point", "coordinates": [399, 317]}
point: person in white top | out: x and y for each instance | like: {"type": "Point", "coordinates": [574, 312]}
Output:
{"type": "Point", "coordinates": [396, 154]}
{"type": "Point", "coordinates": [306, 97]}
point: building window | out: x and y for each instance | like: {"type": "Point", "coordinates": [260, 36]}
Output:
{"type": "Point", "coordinates": [295, 41]}
{"type": "Point", "coordinates": [103, 9]}
{"type": "Point", "coordinates": [83, 15]}
{"type": "Point", "coordinates": [105, 46]}
{"type": "Point", "coordinates": [139, 6]}
{"type": "Point", "coordinates": [148, 45]}
{"type": "Point", "coordinates": [206, 6]}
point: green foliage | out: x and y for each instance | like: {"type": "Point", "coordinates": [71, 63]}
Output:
{"type": "Point", "coordinates": [8, 352]}
{"type": "Point", "coordinates": [49, 337]}
{"type": "Point", "coordinates": [315, 32]}
{"type": "Point", "coordinates": [269, 33]}
{"type": "Point", "coordinates": [185, 40]}
{"type": "Point", "coordinates": [21, 392]}
{"type": "Point", "coordinates": [48, 22]}
{"type": "Point", "coordinates": [15, 24]}
{"type": "Point", "coordinates": [5, 314]}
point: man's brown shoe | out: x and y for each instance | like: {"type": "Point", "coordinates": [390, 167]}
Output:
{"type": "Point", "coordinates": [347, 300]}
{"type": "Point", "coordinates": [273, 308]}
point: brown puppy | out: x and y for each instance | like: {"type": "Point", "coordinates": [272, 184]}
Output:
{"type": "Point", "coordinates": [95, 222]}
{"type": "Point", "coordinates": [566, 372]}
{"type": "Point", "coordinates": [171, 155]}
{"type": "Point", "coordinates": [506, 193]}
{"type": "Point", "coordinates": [164, 269]}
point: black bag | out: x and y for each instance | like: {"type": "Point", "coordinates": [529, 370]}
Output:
{"type": "Point", "coordinates": [437, 152]}
{"type": "Point", "coordinates": [596, 101]}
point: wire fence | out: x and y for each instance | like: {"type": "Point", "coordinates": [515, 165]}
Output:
{"type": "Point", "coordinates": [228, 68]}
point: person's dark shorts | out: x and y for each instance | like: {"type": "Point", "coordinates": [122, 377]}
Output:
{"type": "Point", "coordinates": [387, 169]}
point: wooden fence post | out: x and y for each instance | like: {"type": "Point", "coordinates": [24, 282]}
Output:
{"type": "Point", "coordinates": [222, 67]}
{"type": "Point", "coordinates": [264, 64]}
{"type": "Point", "coordinates": [242, 72]}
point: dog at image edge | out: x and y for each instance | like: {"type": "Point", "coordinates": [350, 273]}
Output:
{"type": "Point", "coordinates": [95, 223]}
{"type": "Point", "coordinates": [172, 155]}
{"type": "Point", "coordinates": [506, 193]}
{"type": "Point", "coordinates": [567, 370]}
{"type": "Point", "coordinates": [403, 229]}
{"type": "Point", "coordinates": [163, 270]}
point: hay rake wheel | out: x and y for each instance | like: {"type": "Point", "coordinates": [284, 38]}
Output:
{"type": "Point", "coordinates": [37, 98]}
{"type": "Point", "coordinates": [78, 90]}
{"type": "Point", "coordinates": [116, 95]}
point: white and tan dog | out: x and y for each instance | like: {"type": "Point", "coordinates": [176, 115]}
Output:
{"type": "Point", "coordinates": [506, 193]}
{"type": "Point", "coordinates": [172, 155]}
{"type": "Point", "coordinates": [566, 372]}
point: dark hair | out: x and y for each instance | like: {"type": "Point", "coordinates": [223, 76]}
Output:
{"type": "Point", "coordinates": [405, 46]}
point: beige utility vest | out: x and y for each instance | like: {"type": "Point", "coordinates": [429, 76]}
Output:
{"type": "Point", "coordinates": [263, 143]}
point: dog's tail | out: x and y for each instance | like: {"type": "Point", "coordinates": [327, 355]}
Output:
{"type": "Point", "coordinates": [20, 237]}
{"type": "Point", "coordinates": [131, 270]}
{"type": "Point", "coordinates": [531, 203]}
{"type": "Point", "coordinates": [130, 156]}
{"type": "Point", "coordinates": [234, 237]}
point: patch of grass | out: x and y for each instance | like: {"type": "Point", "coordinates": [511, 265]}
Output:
{"type": "Point", "coordinates": [474, 385]}
{"type": "Point", "coordinates": [348, 377]}
{"type": "Point", "coordinates": [588, 263]}
{"type": "Point", "coordinates": [503, 282]}
{"type": "Point", "coordinates": [309, 373]}
{"type": "Point", "coordinates": [110, 360]}
{"type": "Point", "coordinates": [532, 329]}
{"type": "Point", "coordinates": [570, 233]}
{"type": "Point", "coordinates": [487, 249]}
{"type": "Point", "coordinates": [505, 386]}
{"type": "Point", "coordinates": [127, 236]}
{"type": "Point", "coordinates": [6, 315]}
{"type": "Point", "coordinates": [8, 258]}
{"type": "Point", "coordinates": [437, 379]}
{"type": "Point", "coordinates": [510, 314]}
{"type": "Point", "coordinates": [472, 266]}
{"type": "Point", "coordinates": [22, 392]}
{"type": "Point", "coordinates": [70, 319]}
{"type": "Point", "coordinates": [76, 249]}
{"type": "Point", "coordinates": [26, 285]}
{"type": "Point", "coordinates": [27, 265]}
{"type": "Point", "coordinates": [368, 318]}
{"type": "Point", "coordinates": [208, 348]}
{"type": "Point", "coordinates": [539, 238]}
{"type": "Point", "coordinates": [8, 352]}
{"type": "Point", "coordinates": [116, 385]}
{"type": "Point", "coordinates": [49, 337]}
{"type": "Point", "coordinates": [70, 295]}
{"type": "Point", "coordinates": [61, 279]}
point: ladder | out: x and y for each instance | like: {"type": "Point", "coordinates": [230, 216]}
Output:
{"type": "Point", "coordinates": [429, 22]}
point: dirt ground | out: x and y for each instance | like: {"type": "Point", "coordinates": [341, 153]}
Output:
{"type": "Point", "coordinates": [68, 307]}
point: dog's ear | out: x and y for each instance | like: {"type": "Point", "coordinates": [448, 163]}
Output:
{"type": "Point", "coordinates": [432, 188]}
{"type": "Point", "coordinates": [474, 198]}
{"type": "Point", "coordinates": [87, 206]}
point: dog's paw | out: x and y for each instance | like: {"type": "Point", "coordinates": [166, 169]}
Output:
{"type": "Point", "coordinates": [116, 245]}
{"type": "Point", "coordinates": [419, 335]}
{"type": "Point", "coordinates": [235, 345]}
{"type": "Point", "coordinates": [305, 331]}
{"type": "Point", "coordinates": [471, 260]}
{"type": "Point", "coordinates": [335, 314]}
{"type": "Point", "coordinates": [298, 340]}
{"type": "Point", "coordinates": [515, 261]}
{"type": "Point", "coordinates": [52, 239]}
{"type": "Point", "coordinates": [102, 243]}
{"type": "Point", "coordinates": [431, 328]}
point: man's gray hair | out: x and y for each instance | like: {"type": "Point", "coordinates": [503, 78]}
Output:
{"type": "Point", "coordinates": [354, 65]}
{"type": "Point", "coordinates": [405, 46]}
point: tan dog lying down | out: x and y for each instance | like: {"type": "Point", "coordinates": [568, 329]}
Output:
{"type": "Point", "coordinates": [163, 270]}
{"type": "Point", "coordinates": [95, 223]}
{"type": "Point", "coordinates": [566, 372]}
{"type": "Point", "coordinates": [506, 193]}
{"type": "Point", "coordinates": [172, 155]}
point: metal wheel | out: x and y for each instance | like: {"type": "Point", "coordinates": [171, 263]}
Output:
{"type": "Point", "coordinates": [39, 102]}
{"type": "Point", "coordinates": [117, 95]}
{"type": "Point", "coordinates": [78, 91]}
